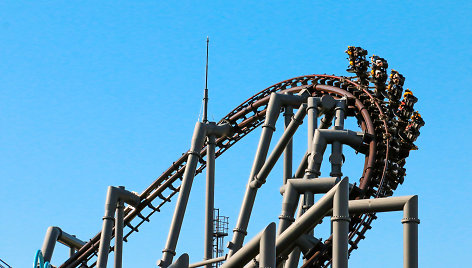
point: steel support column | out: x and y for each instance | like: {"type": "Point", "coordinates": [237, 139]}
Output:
{"type": "Point", "coordinates": [210, 193]}
{"type": "Point", "coordinates": [410, 233]}
{"type": "Point", "coordinates": [198, 139]}
{"type": "Point", "coordinates": [340, 221]}
{"type": "Point", "coordinates": [336, 157]}
{"type": "Point", "coordinates": [288, 153]}
{"type": "Point", "coordinates": [119, 223]}
{"type": "Point", "coordinates": [267, 248]}
{"type": "Point", "coordinates": [409, 205]}
{"type": "Point", "coordinates": [114, 195]}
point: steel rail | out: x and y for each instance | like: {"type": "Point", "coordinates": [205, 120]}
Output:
{"type": "Point", "coordinates": [248, 116]}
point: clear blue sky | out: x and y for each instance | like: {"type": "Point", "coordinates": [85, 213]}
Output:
{"type": "Point", "coordinates": [107, 93]}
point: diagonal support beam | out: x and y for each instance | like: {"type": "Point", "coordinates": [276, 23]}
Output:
{"type": "Point", "coordinates": [276, 101]}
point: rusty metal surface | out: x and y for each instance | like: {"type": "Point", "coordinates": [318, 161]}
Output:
{"type": "Point", "coordinates": [374, 182]}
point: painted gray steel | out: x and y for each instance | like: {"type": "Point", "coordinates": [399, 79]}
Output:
{"type": "Point", "coordinates": [198, 139]}
{"type": "Point", "coordinates": [54, 234]}
{"type": "Point", "coordinates": [114, 196]}
{"type": "Point", "coordinates": [209, 205]}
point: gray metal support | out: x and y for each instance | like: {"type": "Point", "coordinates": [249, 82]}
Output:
{"type": "Point", "coordinates": [293, 258]}
{"type": "Point", "coordinates": [291, 192]}
{"type": "Point", "coordinates": [340, 220]}
{"type": "Point", "coordinates": [267, 248]}
{"type": "Point", "coordinates": [327, 105]}
{"type": "Point", "coordinates": [292, 261]}
{"type": "Point", "coordinates": [248, 252]}
{"type": "Point", "coordinates": [261, 176]}
{"type": "Point", "coordinates": [114, 195]}
{"type": "Point", "coordinates": [336, 157]}
{"type": "Point", "coordinates": [286, 241]}
{"type": "Point", "coordinates": [202, 263]}
{"type": "Point", "coordinates": [218, 130]}
{"type": "Point", "coordinates": [288, 153]}
{"type": "Point", "coordinates": [268, 128]}
{"type": "Point", "coordinates": [210, 193]}
{"type": "Point", "coordinates": [340, 113]}
{"type": "Point", "coordinates": [181, 262]}
{"type": "Point", "coordinates": [409, 205]}
{"type": "Point", "coordinates": [55, 234]}
{"type": "Point", "coordinates": [322, 138]}
{"type": "Point", "coordinates": [119, 223]}
{"type": "Point", "coordinates": [302, 166]}
{"type": "Point", "coordinates": [316, 106]}
{"type": "Point", "coordinates": [410, 233]}
{"type": "Point", "coordinates": [312, 112]}
{"type": "Point", "coordinates": [312, 117]}
{"type": "Point", "coordinates": [306, 243]}
{"type": "Point", "coordinates": [52, 234]}
{"type": "Point", "coordinates": [198, 139]}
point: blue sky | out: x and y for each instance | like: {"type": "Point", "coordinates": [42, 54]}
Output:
{"type": "Point", "coordinates": [100, 93]}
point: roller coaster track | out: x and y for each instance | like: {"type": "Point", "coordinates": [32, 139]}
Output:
{"type": "Point", "coordinates": [382, 171]}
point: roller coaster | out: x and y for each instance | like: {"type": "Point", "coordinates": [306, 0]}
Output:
{"type": "Point", "coordinates": [388, 127]}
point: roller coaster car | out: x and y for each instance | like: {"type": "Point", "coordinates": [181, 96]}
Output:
{"type": "Point", "coordinates": [404, 148]}
{"type": "Point", "coordinates": [405, 110]}
{"type": "Point", "coordinates": [353, 51]}
{"type": "Point", "coordinates": [357, 61]}
{"type": "Point", "coordinates": [394, 92]}
{"type": "Point", "coordinates": [395, 87]}
{"type": "Point", "coordinates": [394, 126]}
{"type": "Point", "coordinates": [396, 174]}
{"type": "Point", "coordinates": [379, 63]}
{"type": "Point", "coordinates": [412, 130]}
{"type": "Point", "coordinates": [379, 70]}
{"type": "Point", "coordinates": [416, 121]}
{"type": "Point", "coordinates": [396, 78]}
{"type": "Point", "coordinates": [378, 76]}
{"type": "Point", "coordinates": [409, 99]}
{"type": "Point", "coordinates": [358, 65]}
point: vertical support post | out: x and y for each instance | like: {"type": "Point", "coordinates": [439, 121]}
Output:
{"type": "Point", "coordinates": [294, 257]}
{"type": "Point", "coordinates": [410, 223]}
{"type": "Point", "coordinates": [71, 252]}
{"type": "Point", "coordinates": [210, 193]}
{"type": "Point", "coordinates": [308, 199]}
{"type": "Point", "coordinates": [119, 223]}
{"type": "Point", "coordinates": [52, 234]}
{"type": "Point", "coordinates": [288, 153]}
{"type": "Point", "coordinates": [336, 157]}
{"type": "Point", "coordinates": [114, 196]}
{"type": "Point", "coordinates": [267, 248]}
{"type": "Point", "coordinates": [105, 236]}
{"type": "Point", "coordinates": [312, 113]}
{"type": "Point", "coordinates": [340, 221]}
{"type": "Point", "coordinates": [181, 205]}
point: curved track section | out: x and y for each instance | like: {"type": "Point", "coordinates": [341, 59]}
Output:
{"type": "Point", "coordinates": [382, 172]}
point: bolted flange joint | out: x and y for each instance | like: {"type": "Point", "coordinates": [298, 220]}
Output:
{"type": "Point", "coordinates": [341, 218]}
{"type": "Point", "coordinates": [411, 220]}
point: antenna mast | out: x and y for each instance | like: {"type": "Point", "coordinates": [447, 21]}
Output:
{"type": "Point", "coordinates": [205, 94]}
